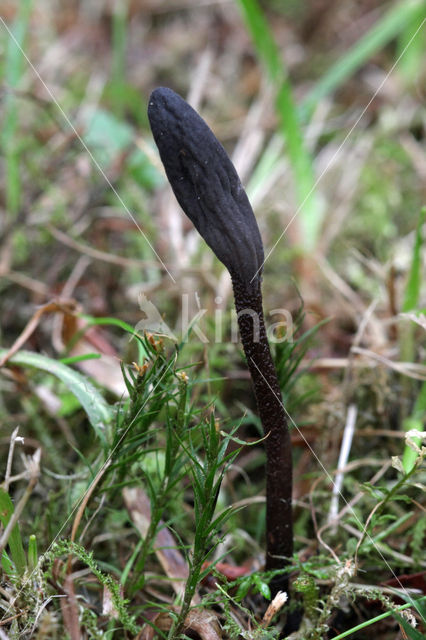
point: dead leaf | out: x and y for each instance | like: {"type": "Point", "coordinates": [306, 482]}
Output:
{"type": "Point", "coordinates": [203, 623]}
{"type": "Point", "coordinates": [108, 607]}
{"type": "Point", "coordinates": [69, 609]}
{"type": "Point", "coordinates": [56, 306]}
{"type": "Point", "coordinates": [170, 558]}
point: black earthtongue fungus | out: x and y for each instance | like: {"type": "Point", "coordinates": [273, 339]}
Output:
{"type": "Point", "coordinates": [209, 191]}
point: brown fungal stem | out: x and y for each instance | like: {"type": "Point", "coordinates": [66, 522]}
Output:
{"type": "Point", "coordinates": [279, 522]}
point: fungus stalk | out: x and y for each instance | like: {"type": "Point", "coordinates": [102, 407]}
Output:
{"type": "Point", "coordinates": [279, 521]}
{"type": "Point", "coordinates": [209, 191]}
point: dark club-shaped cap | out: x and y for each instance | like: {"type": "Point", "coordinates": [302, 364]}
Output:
{"type": "Point", "coordinates": [206, 184]}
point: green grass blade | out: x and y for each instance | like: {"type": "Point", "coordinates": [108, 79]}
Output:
{"type": "Point", "coordinates": [410, 456]}
{"type": "Point", "coordinates": [32, 552]}
{"type": "Point", "coordinates": [310, 209]}
{"type": "Point", "coordinates": [410, 631]}
{"type": "Point", "coordinates": [395, 21]}
{"type": "Point", "coordinates": [12, 74]}
{"type": "Point", "coordinates": [415, 421]}
{"type": "Point", "coordinates": [412, 291]}
{"type": "Point", "coordinates": [7, 564]}
{"type": "Point", "coordinates": [263, 39]}
{"type": "Point", "coordinates": [404, 17]}
{"type": "Point", "coordinates": [15, 541]}
{"type": "Point", "coordinates": [412, 45]}
{"type": "Point", "coordinates": [97, 410]}
{"type": "Point", "coordinates": [81, 358]}
{"type": "Point", "coordinates": [411, 301]}
{"type": "Point", "coordinates": [368, 623]}
{"type": "Point", "coordinates": [119, 42]}
{"type": "Point", "coordinates": [116, 322]}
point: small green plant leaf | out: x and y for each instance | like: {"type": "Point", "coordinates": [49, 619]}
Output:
{"type": "Point", "coordinates": [412, 291]}
{"type": "Point", "coordinates": [243, 588]}
{"type": "Point", "coordinates": [410, 631]}
{"type": "Point", "coordinates": [7, 564]}
{"type": "Point", "coordinates": [32, 552]}
{"type": "Point", "coordinates": [410, 453]}
{"type": "Point", "coordinates": [15, 541]}
{"type": "Point", "coordinates": [107, 136]}
{"type": "Point", "coordinates": [262, 587]}
{"type": "Point", "coordinates": [411, 302]}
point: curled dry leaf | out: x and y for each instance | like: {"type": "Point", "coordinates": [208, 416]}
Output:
{"type": "Point", "coordinates": [55, 306]}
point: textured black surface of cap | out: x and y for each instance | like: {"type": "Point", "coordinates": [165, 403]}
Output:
{"type": "Point", "coordinates": [206, 184]}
